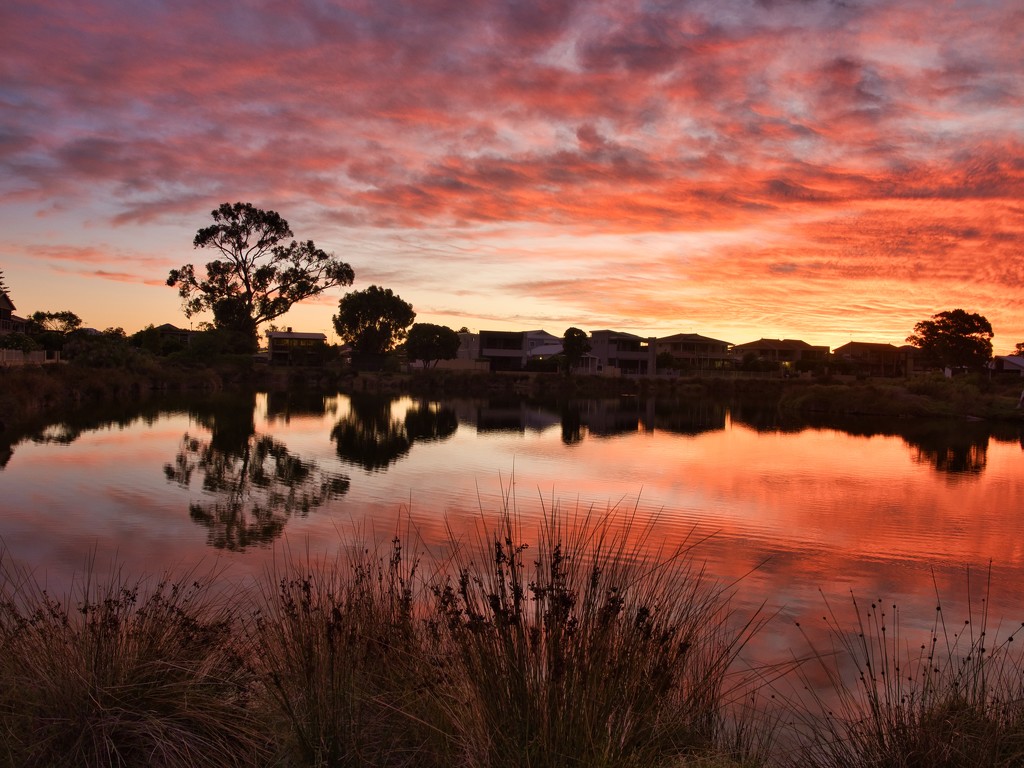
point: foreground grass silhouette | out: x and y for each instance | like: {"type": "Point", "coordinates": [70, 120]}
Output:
{"type": "Point", "coordinates": [590, 648]}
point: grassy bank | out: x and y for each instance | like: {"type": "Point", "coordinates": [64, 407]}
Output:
{"type": "Point", "coordinates": [579, 648]}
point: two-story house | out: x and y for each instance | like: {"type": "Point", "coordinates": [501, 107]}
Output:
{"type": "Point", "coordinates": [784, 351]}
{"type": "Point", "coordinates": [511, 350]}
{"type": "Point", "coordinates": [615, 353]}
{"type": "Point", "coordinates": [296, 348]}
{"type": "Point", "coordinates": [10, 322]}
{"type": "Point", "coordinates": [693, 351]}
{"type": "Point", "coordinates": [872, 359]}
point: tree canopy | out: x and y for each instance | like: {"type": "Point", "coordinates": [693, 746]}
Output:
{"type": "Point", "coordinates": [575, 346]}
{"type": "Point", "coordinates": [3, 285]}
{"type": "Point", "coordinates": [52, 329]}
{"type": "Point", "coordinates": [430, 343]}
{"type": "Point", "coordinates": [373, 321]}
{"type": "Point", "coordinates": [63, 322]}
{"type": "Point", "coordinates": [259, 276]}
{"type": "Point", "coordinates": [1019, 349]}
{"type": "Point", "coordinates": [955, 339]}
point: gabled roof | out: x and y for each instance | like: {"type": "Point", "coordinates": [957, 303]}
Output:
{"type": "Point", "coordinates": [620, 334]}
{"type": "Point", "coordinates": [693, 337]}
{"type": "Point", "coordinates": [1011, 362]}
{"type": "Point", "coordinates": [546, 350]}
{"type": "Point", "coordinates": [866, 345]}
{"type": "Point", "coordinates": [5, 302]}
{"type": "Point", "coordinates": [775, 344]}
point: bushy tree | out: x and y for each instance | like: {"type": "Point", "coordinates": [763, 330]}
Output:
{"type": "Point", "coordinates": [575, 346]}
{"type": "Point", "coordinates": [18, 341]}
{"type": "Point", "coordinates": [52, 329]}
{"type": "Point", "coordinates": [373, 321]}
{"type": "Point", "coordinates": [3, 285]}
{"type": "Point", "coordinates": [954, 339]}
{"type": "Point", "coordinates": [430, 343]}
{"type": "Point", "coordinates": [260, 275]}
{"type": "Point", "coordinates": [1019, 350]}
{"type": "Point", "coordinates": [63, 322]}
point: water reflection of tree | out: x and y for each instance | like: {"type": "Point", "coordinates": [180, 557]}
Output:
{"type": "Point", "coordinates": [370, 436]}
{"type": "Point", "coordinates": [572, 422]}
{"type": "Point", "coordinates": [254, 483]}
{"type": "Point", "coordinates": [284, 406]}
{"type": "Point", "coordinates": [954, 448]}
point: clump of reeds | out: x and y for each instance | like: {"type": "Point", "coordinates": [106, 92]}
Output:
{"type": "Point", "coordinates": [121, 674]}
{"type": "Point", "coordinates": [348, 676]}
{"type": "Point", "coordinates": [953, 700]}
{"type": "Point", "coordinates": [595, 649]}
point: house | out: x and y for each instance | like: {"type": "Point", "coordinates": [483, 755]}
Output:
{"type": "Point", "coordinates": [9, 322]}
{"type": "Point", "coordinates": [294, 348]}
{"type": "Point", "coordinates": [691, 350]}
{"type": "Point", "coordinates": [787, 352]}
{"type": "Point", "coordinates": [1007, 365]}
{"type": "Point", "coordinates": [613, 353]}
{"type": "Point", "coordinates": [512, 350]}
{"type": "Point", "coordinates": [873, 359]}
{"type": "Point", "coordinates": [174, 335]}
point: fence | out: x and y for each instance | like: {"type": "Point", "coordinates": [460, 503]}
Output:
{"type": "Point", "coordinates": [17, 357]}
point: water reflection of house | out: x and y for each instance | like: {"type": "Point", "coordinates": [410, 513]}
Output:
{"type": "Point", "coordinates": [613, 353]}
{"type": "Point", "coordinates": [292, 403]}
{"type": "Point", "coordinates": [512, 416]}
{"type": "Point", "coordinates": [692, 418]}
{"type": "Point", "coordinates": [294, 348]}
{"type": "Point", "coordinates": [691, 350]}
{"type": "Point", "coordinates": [605, 418]}
{"type": "Point", "coordinates": [785, 351]}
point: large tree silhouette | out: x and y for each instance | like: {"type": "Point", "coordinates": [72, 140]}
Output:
{"type": "Point", "coordinates": [373, 321]}
{"type": "Point", "coordinates": [954, 339]}
{"type": "Point", "coordinates": [260, 275]}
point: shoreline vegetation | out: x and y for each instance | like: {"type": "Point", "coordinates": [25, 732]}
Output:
{"type": "Point", "coordinates": [29, 394]}
{"type": "Point", "coordinates": [571, 645]}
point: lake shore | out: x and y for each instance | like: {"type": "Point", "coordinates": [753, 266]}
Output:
{"type": "Point", "coordinates": [31, 394]}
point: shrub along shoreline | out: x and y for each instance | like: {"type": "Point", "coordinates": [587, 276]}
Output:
{"type": "Point", "coordinates": [583, 649]}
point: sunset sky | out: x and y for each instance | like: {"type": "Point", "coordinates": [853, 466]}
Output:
{"type": "Point", "coordinates": [785, 168]}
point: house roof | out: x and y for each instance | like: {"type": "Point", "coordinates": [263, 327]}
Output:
{"type": "Point", "coordinates": [693, 337]}
{"type": "Point", "coordinates": [546, 350]}
{"type": "Point", "coordinates": [5, 301]}
{"type": "Point", "coordinates": [865, 345]}
{"type": "Point", "coordinates": [775, 344]}
{"type": "Point", "coordinates": [295, 335]}
{"type": "Point", "coordinates": [619, 334]}
{"type": "Point", "coordinates": [1012, 362]}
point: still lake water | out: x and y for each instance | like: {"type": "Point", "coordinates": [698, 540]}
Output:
{"type": "Point", "coordinates": [797, 511]}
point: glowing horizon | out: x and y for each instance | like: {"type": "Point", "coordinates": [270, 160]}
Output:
{"type": "Point", "coordinates": [771, 168]}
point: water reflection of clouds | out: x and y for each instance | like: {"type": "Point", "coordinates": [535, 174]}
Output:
{"type": "Point", "coordinates": [832, 507]}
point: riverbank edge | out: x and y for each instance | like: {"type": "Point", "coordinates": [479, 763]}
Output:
{"type": "Point", "coordinates": [32, 394]}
